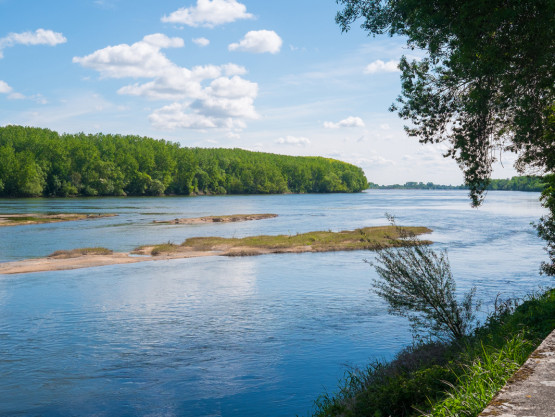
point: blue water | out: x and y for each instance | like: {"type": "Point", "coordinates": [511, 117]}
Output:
{"type": "Point", "coordinates": [254, 336]}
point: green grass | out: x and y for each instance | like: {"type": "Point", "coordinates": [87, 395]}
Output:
{"type": "Point", "coordinates": [446, 379]}
{"type": "Point", "coordinates": [365, 238]}
{"type": "Point", "coordinates": [482, 378]}
{"type": "Point", "coordinates": [73, 253]}
{"type": "Point", "coordinates": [237, 217]}
{"type": "Point", "coordinates": [164, 248]}
{"type": "Point", "coordinates": [29, 219]}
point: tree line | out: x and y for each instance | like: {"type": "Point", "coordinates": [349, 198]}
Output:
{"type": "Point", "coordinates": [519, 183]}
{"type": "Point", "coordinates": [40, 162]}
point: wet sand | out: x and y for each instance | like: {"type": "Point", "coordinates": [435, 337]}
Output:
{"type": "Point", "coordinates": [85, 261]}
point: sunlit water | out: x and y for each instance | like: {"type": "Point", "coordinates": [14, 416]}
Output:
{"type": "Point", "coordinates": [254, 336]}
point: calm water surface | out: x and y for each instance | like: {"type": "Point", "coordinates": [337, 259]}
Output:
{"type": "Point", "coordinates": [255, 336]}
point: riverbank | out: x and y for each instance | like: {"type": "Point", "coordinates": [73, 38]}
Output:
{"type": "Point", "coordinates": [447, 379]}
{"type": "Point", "coordinates": [369, 238]}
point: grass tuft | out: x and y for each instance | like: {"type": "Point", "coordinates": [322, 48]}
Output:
{"type": "Point", "coordinates": [74, 253]}
{"type": "Point", "coordinates": [164, 248]}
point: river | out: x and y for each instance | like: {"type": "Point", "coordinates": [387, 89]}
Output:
{"type": "Point", "coordinates": [217, 336]}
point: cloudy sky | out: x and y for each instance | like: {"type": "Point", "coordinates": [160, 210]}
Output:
{"type": "Point", "coordinates": [273, 76]}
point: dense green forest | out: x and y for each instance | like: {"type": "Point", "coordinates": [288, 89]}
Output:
{"type": "Point", "coordinates": [523, 183]}
{"type": "Point", "coordinates": [40, 162]}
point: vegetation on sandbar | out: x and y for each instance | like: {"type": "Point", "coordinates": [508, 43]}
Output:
{"type": "Point", "coordinates": [39, 218]}
{"type": "Point", "coordinates": [231, 218]}
{"type": "Point", "coordinates": [74, 253]}
{"type": "Point", "coordinates": [369, 238]}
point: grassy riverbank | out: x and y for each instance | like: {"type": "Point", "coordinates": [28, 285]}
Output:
{"type": "Point", "coordinates": [446, 379]}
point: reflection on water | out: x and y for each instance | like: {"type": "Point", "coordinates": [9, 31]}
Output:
{"type": "Point", "coordinates": [227, 336]}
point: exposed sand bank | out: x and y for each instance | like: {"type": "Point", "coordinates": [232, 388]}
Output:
{"type": "Point", "coordinates": [84, 261]}
{"type": "Point", "coordinates": [369, 238]}
{"type": "Point", "coordinates": [218, 219]}
{"type": "Point", "coordinates": [40, 218]}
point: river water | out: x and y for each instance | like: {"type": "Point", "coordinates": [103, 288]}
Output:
{"type": "Point", "coordinates": [216, 336]}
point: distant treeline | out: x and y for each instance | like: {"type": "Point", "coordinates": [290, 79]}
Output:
{"type": "Point", "coordinates": [411, 185]}
{"type": "Point", "coordinates": [524, 183]}
{"type": "Point", "coordinates": [40, 162]}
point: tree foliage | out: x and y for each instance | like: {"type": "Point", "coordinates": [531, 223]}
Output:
{"type": "Point", "coordinates": [40, 162]}
{"type": "Point", "coordinates": [486, 82]}
{"type": "Point", "coordinates": [546, 226]}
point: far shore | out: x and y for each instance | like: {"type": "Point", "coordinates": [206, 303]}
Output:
{"type": "Point", "coordinates": [368, 238]}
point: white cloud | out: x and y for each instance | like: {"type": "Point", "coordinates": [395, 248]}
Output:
{"type": "Point", "coordinates": [141, 59]}
{"type": "Point", "coordinates": [13, 95]}
{"type": "Point", "coordinates": [380, 66]}
{"type": "Point", "coordinates": [209, 13]}
{"type": "Point", "coordinates": [18, 96]}
{"type": "Point", "coordinates": [350, 121]}
{"type": "Point", "coordinates": [5, 88]}
{"type": "Point", "coordinates": [234, 87]}
{"type": "Point", "coordinates": [162, 41]}
{"type": "Point", "coordinates": [202, 97]}
{"type": "Point", "coordinates": [371, 160]}
{"type": "Point", "coordinates": [38, 37]}
{"type": "Point", "coordinates": [233, 69]}
{"type": "Point", "coordinates": [258, 41]}
{"type": "Point", "coordinates": [201, 42]}
{"type": "Point", "coordinates": [178, 115]}
{"type": "Point", "coordinates": [293, 140]}
{"type": "Point", "coordinates": [178, 83]}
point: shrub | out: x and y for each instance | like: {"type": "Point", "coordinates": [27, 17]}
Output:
{"type": "Point", "coordinates": [417, 283]}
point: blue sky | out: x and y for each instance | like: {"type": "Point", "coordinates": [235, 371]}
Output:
{"type": "Point", "coordinates": [273, 76]}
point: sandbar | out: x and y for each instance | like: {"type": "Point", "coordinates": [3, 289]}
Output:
{"type": "Point", "coordinates": [369, 238]}
{"type": "Point", "coordinates": [218, 219]}
{"type": "Point", "coordinates": [40, 218]}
